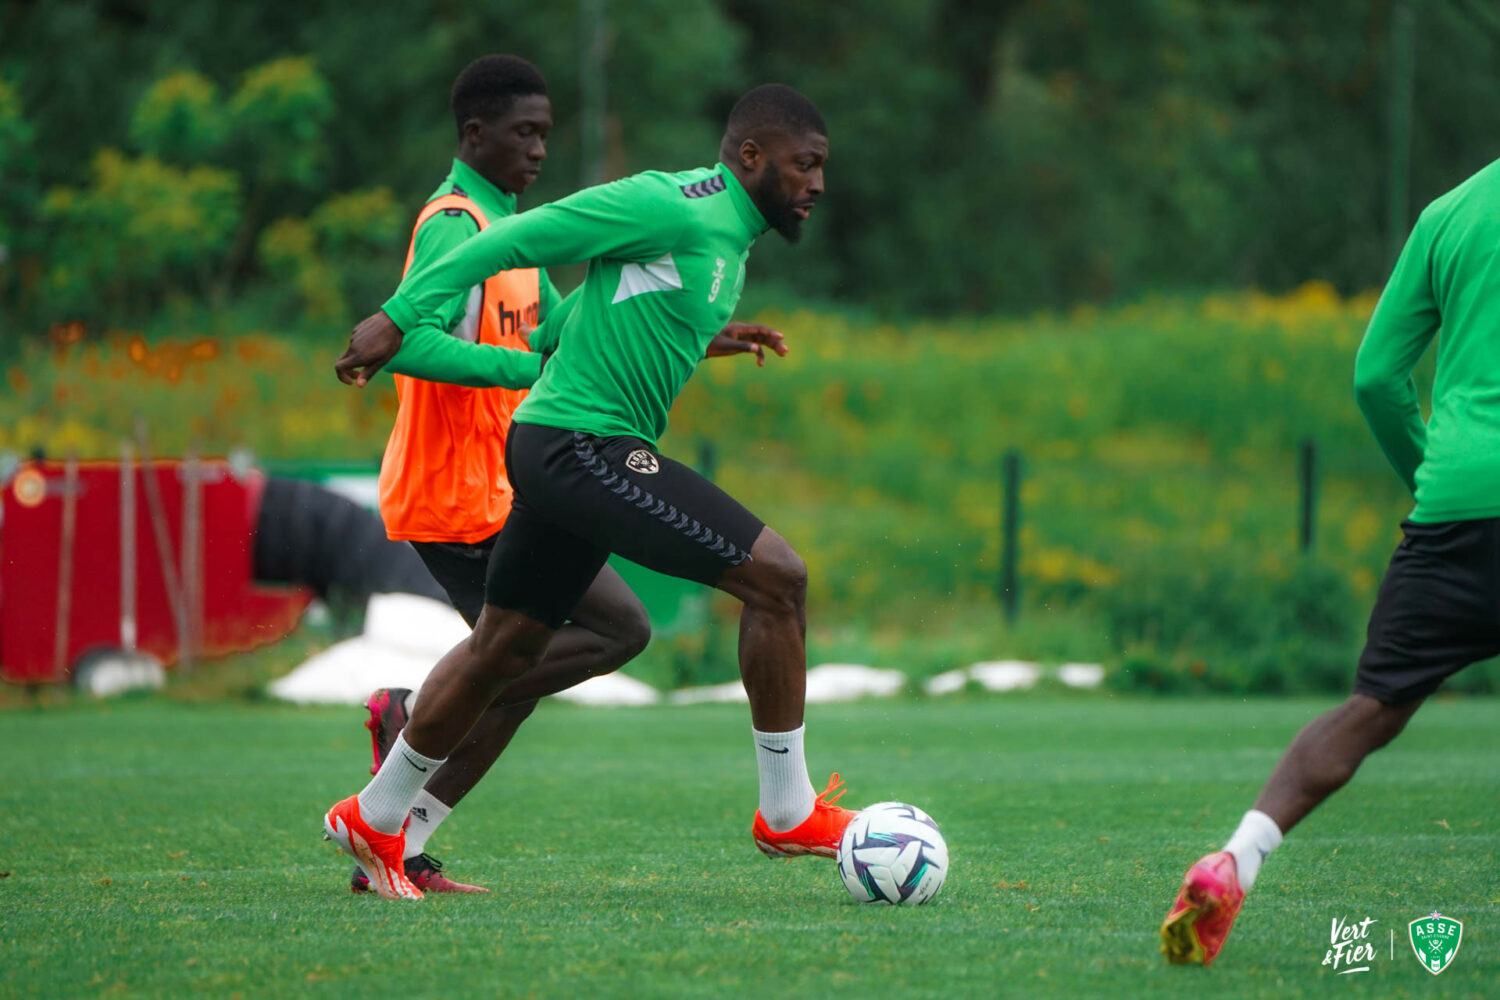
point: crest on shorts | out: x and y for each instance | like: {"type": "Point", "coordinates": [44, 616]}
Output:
{"type": "Point", "coordinates": [1435, 939]}
{"type": "Point", "coordinates": [642, 460]}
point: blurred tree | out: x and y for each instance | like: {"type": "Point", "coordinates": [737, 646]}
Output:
{"type": "Point", "coordinates": [139, 231]}
{"type": "Point", "coordinates": [17, 192]}
{"type": "Point", "coordinates": [278, 117]}
{"type": "Point", "coordinates": [342, 252]}
{"type": "Point", "coordinates": [180, 120]}
{"type": "Point", "coordinates": [1004, 155]}
{"type": "Point", "coordinates": [289, 253]}
{"type": "Point", "coordinates": [277, 120]}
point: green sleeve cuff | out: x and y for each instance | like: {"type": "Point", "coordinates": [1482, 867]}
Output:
{"type": "Point", "coordinates": [436, 357]}
{"type": "Point", "coordinates": [530, 369]}
{"type": "Point", "coordinates": [401, 313]}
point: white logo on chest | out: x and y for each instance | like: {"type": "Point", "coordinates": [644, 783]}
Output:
{"type": "Point", "coordinates": [659, 275]}
{"type": "Point", "coordinates": [713, 292]}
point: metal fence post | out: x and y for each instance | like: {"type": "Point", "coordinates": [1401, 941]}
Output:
{"type": "Point", "coordinates": [1402, 63]}
{"type": "Point", "coordinates": [1010, 527]}
{"type": "Point", "coordinates": [707, 459]}
{"type": "Point", "coordinates": [1307, 476]}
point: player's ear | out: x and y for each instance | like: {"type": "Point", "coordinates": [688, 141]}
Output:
{"type": "Point", "coordinates": [751, 155]}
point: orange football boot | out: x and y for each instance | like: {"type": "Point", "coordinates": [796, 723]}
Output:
{"type": "Point", "coordinates": [818, 834]}
{"type": "Point", "coordinates": [1200, 920]}
{"type": "Point", "coordinates": [379, 854]}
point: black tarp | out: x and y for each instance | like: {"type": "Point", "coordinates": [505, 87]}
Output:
{"type": "Point", "coordinates": [309, 535]}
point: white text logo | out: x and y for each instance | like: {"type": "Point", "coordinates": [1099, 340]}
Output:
{"type": "Point", "coordinates": [713, 292]}
{"type": "Point", "coordinates": [1350, 948]}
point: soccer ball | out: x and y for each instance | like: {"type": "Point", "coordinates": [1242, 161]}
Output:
{"type": "Point", "coordinates": [892, 852]}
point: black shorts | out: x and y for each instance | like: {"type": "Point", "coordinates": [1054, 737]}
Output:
{"type": "Point", "coordinates": [460, 569]}
{"type": "Point", "coordinates": [579, 497]}
{"type": "Point", "coordinates": [1437, 612]}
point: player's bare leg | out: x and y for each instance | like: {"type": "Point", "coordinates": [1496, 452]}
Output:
{"type": "Point", "coordinates": [773, 631]}
{"type": "Point", "coordinates": [368, 826]}
{"type": "Point", "coordinates": [504, 646]}
{"type": "Point", "coordinates": [1325, 755]}
{"type": "Point", "coordinates": [1320, 760]}
{"type": "Point", "coordinates": [792, 820]}
{"type": "Point", "coordinates": [608, 629]}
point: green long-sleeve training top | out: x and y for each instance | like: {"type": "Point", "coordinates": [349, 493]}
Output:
{"type": "Point", "coordinates": [666, 263]}
{"type": "Point", "coordinates": [428, 351]}
{"type": "Point", "coordinates": [1448, 276]}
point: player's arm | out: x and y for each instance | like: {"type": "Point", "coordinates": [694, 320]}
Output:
{"type": "Point", "coordinates": [544, 339]}
{"type": "Point", "coordinates": [632, 219]}
{"type": "Point", "coordinates": [435, 356]}
{"type": "Point", "coordinates": [426, 354]}
{"type": "Point", "coordinates": [548, 297]}
{"type": "Point", "coordinates": [429, 351]}
{"type": "Point", "coordinates": [1404, 323]}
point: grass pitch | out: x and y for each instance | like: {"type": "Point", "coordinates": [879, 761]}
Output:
{"type": "Point", "coordinates": [161, 849]}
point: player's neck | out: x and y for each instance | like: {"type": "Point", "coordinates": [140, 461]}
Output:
{"type": "Point", "coordinates": [468, 160]}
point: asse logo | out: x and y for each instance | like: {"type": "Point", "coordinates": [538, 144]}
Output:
{"type": "Point", "coordinates": [1435, 938]}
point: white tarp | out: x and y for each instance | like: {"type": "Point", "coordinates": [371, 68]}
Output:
{"type": "Point", "coordinates": [825, 683]}
{"type": "Point", "coordinates": [404, 637]}
{"type": "Point", "coordinates": [1012, 675]}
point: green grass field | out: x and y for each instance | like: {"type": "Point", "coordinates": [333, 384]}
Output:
{"type": "Point", "coordinates": [155, 848]}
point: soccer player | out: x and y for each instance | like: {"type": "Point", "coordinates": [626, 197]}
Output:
{"type": "Point", "coordinates": [443, 485]}
{"type": "Point", "coordinates": [1436, 611]}
{"type": "Point", "coordinates": [442, 482]}
{"type": "Point", "coordinates": [666, 255]}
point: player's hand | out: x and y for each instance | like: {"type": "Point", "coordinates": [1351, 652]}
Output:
{"type": "Point", "coordinates": [524, 332]}
{"type": "Point", "coordinates": [746, 338]}
{"type": "Point", "coordinates": [373, 343]}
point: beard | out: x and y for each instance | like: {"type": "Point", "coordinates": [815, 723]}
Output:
{"type": "Point", "coordinates": [770, 199]}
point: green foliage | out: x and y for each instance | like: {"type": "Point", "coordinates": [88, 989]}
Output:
{"type": "Point", "coordinates": [142, 229]}
{"type": "Point", "coordinates": [358, 221]}
{"type": "Point", "coordinates": [1001, 156]}
{"type": "Point", "coordinates": [185, 219]}
{"type": "Point", "coordinates": [1186, 622]}
{"type": "Point", "coordinates": [339, 254]}
{"type": "Point", "coordinates": [1159, 448]}
{"type": "Point", "coordinates": [179, 119]}
{"type": "Point", "coordinates": [16, 137]}
{"type": "Point", "coordinates": [289, 253]}
{"type": "Point", "coordinates": [83, 398]}
{"type": "Point", "coordinates": [674, 59]}
{"type": "Point", "coordinates": [279, 116]}
{"type": "Point", "coordinates": [363, 235]}
{"type": "Point", "coordinates": [1159, 494]}
{"type": "Point", "coordinates": [17, 188]}
{"type": "Point", "coordinates": [16, 131]}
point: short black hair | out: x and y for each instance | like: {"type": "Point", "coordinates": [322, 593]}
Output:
{"type": "Point", "coordinates": [489, 85]}
{"type": "Point", "coordinates": [771, 108]}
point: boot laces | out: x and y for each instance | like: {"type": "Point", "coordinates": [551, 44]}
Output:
{"type": "Point", "coordinates": [835, 785]}
{"type": "Point", "coordinates": [422, 862]}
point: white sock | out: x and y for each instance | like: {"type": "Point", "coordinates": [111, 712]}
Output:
{"type": "Point", "coordinates": [1257, 837]}
{"type": "Point", "coordinates": [786, 793]}
{"type": "Point", "coordinates": [388, 797]}
{"type": "Point", "coordinates": [426, 814]}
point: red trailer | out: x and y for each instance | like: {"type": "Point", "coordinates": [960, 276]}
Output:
{"type": "Point", "coordinates": [151, 556]}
